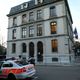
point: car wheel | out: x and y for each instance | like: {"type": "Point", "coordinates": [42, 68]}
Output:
{"type": "Point", "coordinates": [11, 77]}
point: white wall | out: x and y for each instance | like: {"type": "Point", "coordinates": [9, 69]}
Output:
{"type": "Point", "coordinates": [46, 13]}
{"type": "Point", "coordinates": [10, 22]}
{"type": "Point", "coordinates": [47, 28]}
{"type": "Point", "coordinates": [60, 10]}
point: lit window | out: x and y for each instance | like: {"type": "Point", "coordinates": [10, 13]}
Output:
{"type": "Point", "coordinates": [24, 32]}
{"type": "Point", "coordinates": [13, 48]}
{"type": "Point", "coordinates": [54, 44]}
{"type": "Point", "coordinates": [14, 34]}
{"type": "Point", "coordinates": [53, 27]}
{"type": "Point", "coordinates": [39, 30]}
{"type": "Point", "coordinates": [31, 31]}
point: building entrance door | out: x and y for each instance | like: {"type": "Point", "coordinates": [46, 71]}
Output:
{"type": "Point", "coordinates": [40, 52]}
{"type": "Point", "coordinates": [31, 49]}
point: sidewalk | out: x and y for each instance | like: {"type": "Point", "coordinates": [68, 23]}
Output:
{"type": "Point", "coordinates": [59, 64]}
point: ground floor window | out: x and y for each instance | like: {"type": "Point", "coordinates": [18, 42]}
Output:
{"type": "Point", "coordinates": [54, 44]}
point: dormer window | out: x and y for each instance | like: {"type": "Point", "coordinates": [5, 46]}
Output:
{"type": "Point", "coordinates": [24, 5]}
{"type": "Point", "coordinates": [38, 1]}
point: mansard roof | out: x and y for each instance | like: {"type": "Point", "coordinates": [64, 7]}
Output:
{"type": "Point", "coordinates": [31, 5]}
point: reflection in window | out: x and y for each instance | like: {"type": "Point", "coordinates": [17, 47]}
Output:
{"type": "Point", "coordinates": [31, 31]}
{"type": "Point", "coordinates": [24, 32]}
{"type": "Point", "coordinates": [39, 14]}
{"type": "Point", "coordinates": [39, 30]}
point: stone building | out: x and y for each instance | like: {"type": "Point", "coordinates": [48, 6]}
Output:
{"type": "Point", "coordinates": [41, 29]}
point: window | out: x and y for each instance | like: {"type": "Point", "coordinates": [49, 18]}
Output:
{"type": "Point", "coordinates": [13, 48]}
{"type": "Point", "coordinates": [23, 47]}
{"type": "Point", "coordinates": [54, 44]}
{"type": "Point", "coordinates": [39, 30]}
{"type": "Point", "coordinates": [39, 14]}
{"type": "Point", "coordinates": [55, 59]}
{"type": "Point", "coordinates": [14, 21]}
{"type": "Point", "coordinates": [52, 11]}
{"type": "Point", "coordinates": [53, 27]}
{"type": "Point", "coordinates": [31, 31]}
{"type": "Point", "coordinates": [8, 65]}
{"type": "Point", "coordinates": [14, 34]}
{"type": "Point", "coordinates": [24, 32]}
{"type": "Point", "coordinates": [31, 16]}
{"type": "Point", "coordinates": [24, 19]}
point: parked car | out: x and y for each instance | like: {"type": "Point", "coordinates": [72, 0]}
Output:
{"type": "Point", "coordinates": [13, 70]}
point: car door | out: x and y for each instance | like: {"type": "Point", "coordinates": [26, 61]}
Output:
{"type": "Point", "coordinates": [1, 62]}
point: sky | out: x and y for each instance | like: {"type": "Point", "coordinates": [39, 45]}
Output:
{"type": "Point", "coordinates": [5, 6]}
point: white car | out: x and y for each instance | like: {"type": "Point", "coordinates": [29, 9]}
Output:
{"type": "Point", "coordinates": [16, 70]}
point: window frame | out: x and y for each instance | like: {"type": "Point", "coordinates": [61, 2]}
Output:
{"type": "Point", "coordinates": [53, 11]}
{"type": "Point", "coordinates": [53, 26]}
{"type": "Point", "coordinates": [39, 30]}
{"type": "Point", "coordinates": [15, 21]}
{"type": "Point", "coordinates": [54, 44]}
{"type": "Point", "coordinates": [24, 32]}
{"type": "Point", "coordinates": [31, 31]}
{"type": "Point", "coordinates": [14, 34]}
{"type": "Point", "coordinates": [13, 47]}
{"type": "Point", "coordinates": [24, 47]}
{"type": "Point", "coordinates": [31, 16]}
{"type": "Point", "coordinates": [39, 14]}
{"type": "Point", "coordinates": [24, 18]}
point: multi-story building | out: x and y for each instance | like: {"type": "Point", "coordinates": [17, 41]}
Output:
{"type": "Point", "coordinates": [41, 29]}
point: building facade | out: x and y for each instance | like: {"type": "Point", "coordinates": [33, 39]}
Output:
{"type": "Point", "coordinates": [41, 29]}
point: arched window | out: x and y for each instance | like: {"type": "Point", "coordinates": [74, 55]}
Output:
{"type": "Point", "coordinates": [23, 47]}
{"type": "Point", "coordinates": [40, 51]}
{"type": "Point", "coordinates": [31, 49]}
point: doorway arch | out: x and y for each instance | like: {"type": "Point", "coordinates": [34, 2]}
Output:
{"type": "Point", "coordinates": [40, 51]}
{"type": "Point", "coordinates": [31, 49]}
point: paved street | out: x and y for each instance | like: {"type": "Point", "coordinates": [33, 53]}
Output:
{"type": "Point", "coordinates": [58, 72]}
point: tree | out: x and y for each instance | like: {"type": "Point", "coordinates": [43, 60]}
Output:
{"type": "Point", "coordinates": [77, 48]}
{"type": "Point", "coordinates": [2, 50]}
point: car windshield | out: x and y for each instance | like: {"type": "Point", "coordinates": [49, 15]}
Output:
{"type": "Point", "coordinates": [21, 63]}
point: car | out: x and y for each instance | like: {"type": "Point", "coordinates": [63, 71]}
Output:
{"type": "Point", "coordinates": [13, 70]}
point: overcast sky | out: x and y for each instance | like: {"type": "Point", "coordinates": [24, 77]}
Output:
{"type": "Point", "coordinates": [5, 6]}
